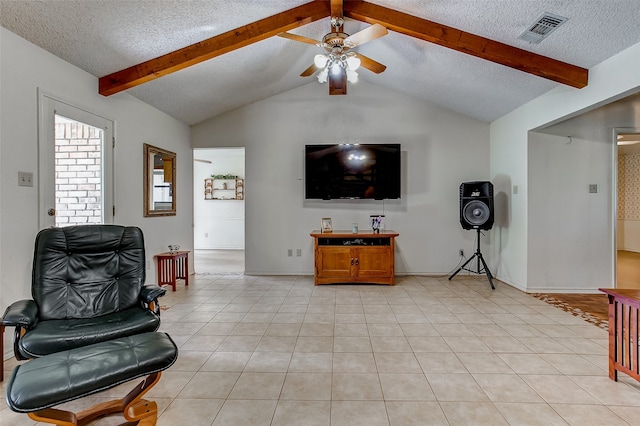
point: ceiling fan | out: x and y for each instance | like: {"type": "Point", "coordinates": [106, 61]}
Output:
{"type": "Point", "coordinates": [339, 64]}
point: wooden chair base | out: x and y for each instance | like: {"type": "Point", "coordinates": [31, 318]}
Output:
{"type": "Point", "coordinates": [132, 407]}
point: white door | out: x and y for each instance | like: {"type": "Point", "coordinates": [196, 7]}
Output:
{"type": "Point", "coordinates": [75, 175]}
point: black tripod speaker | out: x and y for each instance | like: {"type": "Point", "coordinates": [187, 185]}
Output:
{"type": "Point", "coordinates": [476, 212]}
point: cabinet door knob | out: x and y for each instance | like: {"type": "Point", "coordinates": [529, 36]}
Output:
{"type": "Point", "coordinates": [357, 261]}
{"type": "Point", "coordinates": [352, 260]}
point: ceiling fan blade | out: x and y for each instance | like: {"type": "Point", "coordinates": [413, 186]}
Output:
{"type": "Point", "coordinates": [370, 33]}
{"type": "Point", "coordinates": [309, 71]}
{"type": "Point", "coordinates": [300, 38]}
{"type": "Point", "coordinates": [370, 64]}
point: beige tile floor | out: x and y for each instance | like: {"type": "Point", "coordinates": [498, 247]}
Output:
{"type": "Point", "coordinates": [428, 351]}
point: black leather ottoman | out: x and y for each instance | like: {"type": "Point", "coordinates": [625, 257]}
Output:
{"type": "Point", "coordinates": [41, 383]}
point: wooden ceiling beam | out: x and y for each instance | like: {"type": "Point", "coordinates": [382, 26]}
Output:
{"type": "Point", "coordinates": [212, 47]}
{"type": "Point", "coordinates": [468, 43]}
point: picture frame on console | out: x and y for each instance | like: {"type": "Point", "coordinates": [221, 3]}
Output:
{"type": "Point", "coordinates": [377, 223]}
{"type": "Point", "coordinates": [325, 225]}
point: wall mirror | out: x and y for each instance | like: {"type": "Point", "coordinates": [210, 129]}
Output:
{"type": "Point", "coordinates": [159, 182]}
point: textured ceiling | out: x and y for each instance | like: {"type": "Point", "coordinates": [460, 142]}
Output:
{"type": "Point", "coordinates": [106, 36]}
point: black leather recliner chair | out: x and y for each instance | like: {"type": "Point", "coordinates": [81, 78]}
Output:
{"type": "Point", "coordinates": [87, 287]}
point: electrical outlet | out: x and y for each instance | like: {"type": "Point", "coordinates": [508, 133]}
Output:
{"type": "Point", "coordinates": [593, 188]}
{"type": "Point", "coordinates": [461, 252]}
{"type": "Point", "coordinates": [289, 252]}
{"type": "Point", "coordinates": [148, 264]}
{"type": "Point", "coordinates": [298, 252]}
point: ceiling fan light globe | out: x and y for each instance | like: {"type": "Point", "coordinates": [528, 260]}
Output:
{"type": "Point", "coordinates": [336, 69]}
{"type": "Point", "coordinates": [320, 60]}
{"type": "Point", "coordinates": [352, 76]}
{"type": "Point", "coordinates": [353, 63]}
{"type": "Point", "coordinates": [322, 76]}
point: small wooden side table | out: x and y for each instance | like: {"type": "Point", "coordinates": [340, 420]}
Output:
{"type": "Point", "coordinates": [173, 266]}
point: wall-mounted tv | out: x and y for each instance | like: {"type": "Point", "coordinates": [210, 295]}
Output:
{"type": "Point", "coordinates": [352, 171]}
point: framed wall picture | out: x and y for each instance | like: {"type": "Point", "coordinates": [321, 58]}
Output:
{"type": "Point", "coordinates": [325, 225]}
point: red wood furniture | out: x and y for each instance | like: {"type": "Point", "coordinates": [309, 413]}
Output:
{"type": "Point", "coordinates": [172, 267]}
{"type": "Point", "coordinates": [623, 331]}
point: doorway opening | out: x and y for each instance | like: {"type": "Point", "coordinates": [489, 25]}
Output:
{"type": "Point", "coordinates": [628, 210]}
{"type": "Point", "coordinates": [219, 211]}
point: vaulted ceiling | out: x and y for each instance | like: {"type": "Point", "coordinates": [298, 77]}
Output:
{"type": "Point", "coordinates": [197, 59]}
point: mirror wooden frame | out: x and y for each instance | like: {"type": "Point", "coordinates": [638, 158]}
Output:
{"type": "Point", "coordinates": [169, 166]}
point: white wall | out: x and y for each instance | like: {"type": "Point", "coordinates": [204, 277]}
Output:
{"type": "Point", "coordinates": [610, 80]}
{"type": "Point", "coordinates": [569, 244]}
{"type": "Point", "coordinates": [441, 149]}
{"type": "Point", "coordinates": [217, 224]}
{"type": "Point", "coordinates": [24, 69]}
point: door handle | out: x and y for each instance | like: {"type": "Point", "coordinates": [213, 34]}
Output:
{"type": "Point", "coordinates": [51, 212]}
{"type": "Point", "coordinates": [357, 261]}
{"type": "Point", "coordinates": [352, 260]}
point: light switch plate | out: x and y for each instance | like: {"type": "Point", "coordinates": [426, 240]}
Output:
{"type": "Point", "coordinates": [593, 188]}
{"type": "Point", "coordinates": [25, 179]}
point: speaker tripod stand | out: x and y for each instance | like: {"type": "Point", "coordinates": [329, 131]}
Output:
{"type": "Point", "coordinates": [480, 260]}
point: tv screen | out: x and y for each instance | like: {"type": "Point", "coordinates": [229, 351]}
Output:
{"type": "Point", "coordinates": [369, 171]}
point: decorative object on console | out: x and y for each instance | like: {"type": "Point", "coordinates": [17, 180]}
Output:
{"type": "Point", "coordinates": [325, 225]}
{"type": "Point", "coordinates": [377, 223]}
{"type": "Point", "coordinates": [173, 248]}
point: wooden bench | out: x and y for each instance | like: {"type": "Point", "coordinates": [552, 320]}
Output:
{"type": "Point", "coordinates": [42, 383]}
{"type": "Point", "coordinates": [623, 332]}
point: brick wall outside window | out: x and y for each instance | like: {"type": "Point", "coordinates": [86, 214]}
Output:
{"type": "Point", "coordinates": [78, 170]}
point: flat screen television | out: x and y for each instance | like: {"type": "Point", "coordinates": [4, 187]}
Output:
{"type": "Point", "coordinates": [352, 171]}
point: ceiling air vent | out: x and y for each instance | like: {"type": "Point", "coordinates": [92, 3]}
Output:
{"type": "Point", "coordinates": [544, 26]}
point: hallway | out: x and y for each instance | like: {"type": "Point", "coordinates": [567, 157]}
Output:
{"type": "Point", "coordinates": [219, 262]}
{"type": "Point", "coordinates": [628, 269]}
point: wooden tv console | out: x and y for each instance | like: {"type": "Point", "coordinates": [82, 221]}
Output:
{"type": "Point", "coordinates": [363, 257]}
